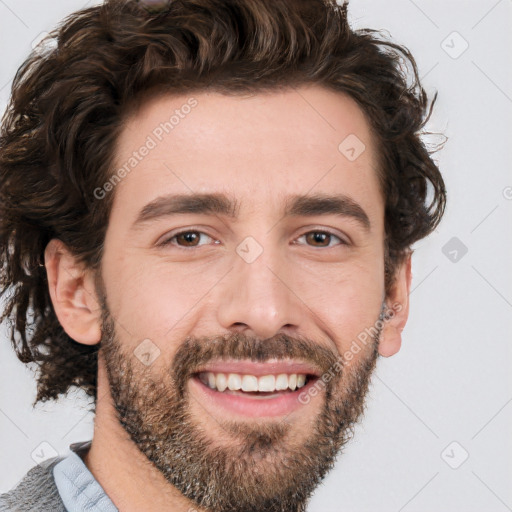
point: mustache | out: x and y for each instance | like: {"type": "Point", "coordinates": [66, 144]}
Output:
{"type": "Point", "coordinates": [196, 352]}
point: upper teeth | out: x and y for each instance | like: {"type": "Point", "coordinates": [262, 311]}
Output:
{"type": "Point", "coordinates": [235, 381]}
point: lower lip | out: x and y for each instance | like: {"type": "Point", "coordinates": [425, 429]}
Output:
{"type": "Point", "coordinates": [252, 406]}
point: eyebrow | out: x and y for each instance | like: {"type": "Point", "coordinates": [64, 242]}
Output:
{"type": "Point", "coordinates": [222, 204]}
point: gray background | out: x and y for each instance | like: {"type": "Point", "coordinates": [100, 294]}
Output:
{"type": "Point", "coordinates": [447, 394]}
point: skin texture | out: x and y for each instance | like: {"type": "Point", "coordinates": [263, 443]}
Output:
{"type": "Point", "coordinates": [258, 149]}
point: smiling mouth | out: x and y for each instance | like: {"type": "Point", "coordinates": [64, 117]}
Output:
{"type": "Point", "coordinates": [249, 389]}
{"type": "Point", "coordinates": [265, 386]}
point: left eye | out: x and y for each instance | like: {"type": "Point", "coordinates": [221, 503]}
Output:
{"type": "Point", "coordinates": [191, 239]}
{"type": "Point", "coordinates": [321, 237]}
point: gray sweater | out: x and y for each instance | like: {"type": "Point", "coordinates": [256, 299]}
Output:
{"type": "Point", "coordinates": [36, 492]}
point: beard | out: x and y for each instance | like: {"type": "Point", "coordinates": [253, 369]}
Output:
{"type": "Point", "coordinates": [265, 467]}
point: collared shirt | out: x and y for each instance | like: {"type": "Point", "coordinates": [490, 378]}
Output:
{"type": "Point", "coordinates": [60, 484]}
{"type": "Point", "coordinates": [78, 488]}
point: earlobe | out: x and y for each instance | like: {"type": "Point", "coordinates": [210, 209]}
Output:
{"type": "Point", "coordinates": [73, 294]}
{"type": "Point", "coordinates": [397, 311]}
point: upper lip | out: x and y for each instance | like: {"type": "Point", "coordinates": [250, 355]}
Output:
{"type": "Point", "coordinates": [270, 367]}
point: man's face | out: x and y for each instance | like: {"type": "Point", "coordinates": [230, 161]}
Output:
{"type": "Point", "coordinates": [269, 295]}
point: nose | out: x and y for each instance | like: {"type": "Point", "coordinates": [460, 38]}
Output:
{"type": "Point", "coordinates": [258, 299]}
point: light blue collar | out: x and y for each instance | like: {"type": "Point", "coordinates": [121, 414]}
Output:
{"type": "Point", "coordinates": [78, 489]}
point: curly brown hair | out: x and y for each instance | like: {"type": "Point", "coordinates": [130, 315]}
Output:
{"type": "Point", "coordinates": [70, 98]}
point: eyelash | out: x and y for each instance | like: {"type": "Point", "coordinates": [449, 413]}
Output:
{"type": "Point", "coordinates": [168, 241]}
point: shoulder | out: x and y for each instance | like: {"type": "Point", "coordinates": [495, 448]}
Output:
{"type": "Point", "coordinates": [35, 492]}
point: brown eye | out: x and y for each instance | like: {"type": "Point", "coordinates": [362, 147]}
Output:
{"type": "Point", "coordinates": [189, 238]}
{"type": "Point", "coordinates": [322, 239]}
{"type": "Point", "coordinates": [186, 239]}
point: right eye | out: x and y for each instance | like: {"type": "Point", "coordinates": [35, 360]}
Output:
{"type": "Point", "coordinates": [185, 239]}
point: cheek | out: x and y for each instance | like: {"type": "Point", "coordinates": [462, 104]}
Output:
{"type": "Point", "coordinates": [156, 299]}
{"type": "Point", "coordinates": [348, 302]}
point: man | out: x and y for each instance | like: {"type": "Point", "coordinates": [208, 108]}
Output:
{"type": "Point", "coordinates": [209, 207]}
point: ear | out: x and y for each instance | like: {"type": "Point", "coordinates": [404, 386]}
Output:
{"type": "Point", "coordinates": [397, 302]}
{"type": "Point", "coordinates": [73, 294]}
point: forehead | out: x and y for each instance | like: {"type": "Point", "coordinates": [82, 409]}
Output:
{"type": "Point", "coordinates": [260, 147]}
